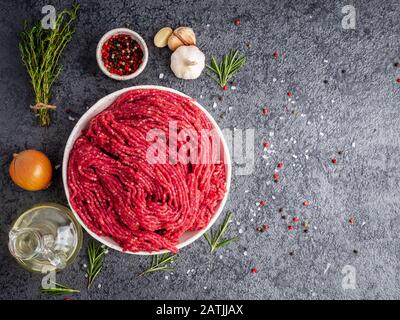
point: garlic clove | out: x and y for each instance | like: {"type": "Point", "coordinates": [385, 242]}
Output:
{"type": "Point", "coordinates": [162, 36]}
{"type": "Point", "coordinates": [182, 36]}
{"type": "Point", "coordinates": [187, 62]}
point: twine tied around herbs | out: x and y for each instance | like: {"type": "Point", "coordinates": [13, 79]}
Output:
{"type": "Point", "coordinates": [42, 106]}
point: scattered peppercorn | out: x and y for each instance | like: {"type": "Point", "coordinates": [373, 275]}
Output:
{"type": "Point", "coordinates": [398, 80]}
{"type": "Point", "coordinates": [275, 177]}
{"type": "Point", "coordinates": [396, 64]}
{"type": "Point", "coordinates": [334, 161]}
{"type": "Point", "coordinates": [253, 270]}
{"type": "Point", "coordinates": [290, 93]}
{"type": "Point", "coordinates": [325, 81]}
{"type": "Point", "coordinates": [283, 217]}
{"type": "Point", "coordinates": [236, 22]}
{"type": "Point", "coordinates": [291, 253]}
{"type": "Point", "coordinates": [265, 227]}
{"type": "Point", "coordinates": [263, 203]}
{"type": "Point", "coordinates": [295, 219]}
{"type": "Point", "coordinates": [265, 110]}
{"type": "Point", "coordinates": [280, 210]}
{"type": "Point", "coordinates": [275, 55]}
{"type": "Point", "coordinates": [280, 165]}
{"type": "Point", "coordinates": [290, 227]}
{"type": "Point", "coordinates": [340, 153]}
{"type": "Point", "coordinates": [355, 251]}
{"type": "Point", "coordinates": [265, 145]}
{"type": "Point", "coordinates": [306, 203]}
{"type": "Point", "coordinates": [343, 71]}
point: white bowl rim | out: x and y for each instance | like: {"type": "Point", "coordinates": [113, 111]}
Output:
{"type": "Point", "coordinates": [101, 105]}
{"type": "Point", "coordinates": [136, 37]}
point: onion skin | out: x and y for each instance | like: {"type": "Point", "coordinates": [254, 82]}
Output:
{"type": "Point", "coordinates": [31, 170]}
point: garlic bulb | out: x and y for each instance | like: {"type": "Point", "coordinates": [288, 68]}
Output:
{"type": "Point", "coordinates": [187, 62]}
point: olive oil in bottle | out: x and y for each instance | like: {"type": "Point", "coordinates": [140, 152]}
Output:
{"type": "Point", "coordinates": [45, 238]}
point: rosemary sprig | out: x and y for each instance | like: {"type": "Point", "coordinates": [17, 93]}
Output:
{"type": "Point", "coordinates": [58, 289]}
{"type": "Point", "coordinates": [229, 65]}
{"type": "Point", "coordinates": [161, 262]}
{"type": "Point", "coordinates": [40, 51]}
{"type": "Point", "coordinates": [95, 254]}
{"type": "Point", "coordinates": [215, 240]}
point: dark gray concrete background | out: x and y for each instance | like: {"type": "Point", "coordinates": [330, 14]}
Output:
{"type": "Point", "coordinates": [356, 112]}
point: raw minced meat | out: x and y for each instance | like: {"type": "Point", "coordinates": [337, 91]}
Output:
{"type": "Point", "coordinates": [145, 205]}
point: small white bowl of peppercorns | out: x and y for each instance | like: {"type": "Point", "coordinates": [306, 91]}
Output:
{"type": "Point", "coordinates": [122, 54]}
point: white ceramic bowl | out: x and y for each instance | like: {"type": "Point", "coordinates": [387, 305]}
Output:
{"type": "Point", "coordinates": [189, 236]}
{"type": "Point", "coordinates": [136, 37]}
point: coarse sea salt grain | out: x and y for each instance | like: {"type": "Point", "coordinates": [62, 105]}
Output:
{"type": "Point", "coordinates": [230, 108]}
{"type": "Point", "coordinates": [214, 105]}
{"type": "Point", "coordinates": [221, 256]}
{"type": "Point", "coordinates": [273, 79]}
{"type": "Point", "coordinates": [161, 76]}
{"type": "Point", "coordinates": [240, 230]}
{"type": "Point", "coordinates": [166, 277]}
{"type": "Point", "coordinates": [271, 134]}
{"type": "Point", "coordinates": [233, 87]}
{"type": "Point", "coordinates": [245, 253]}
{"type": "Point", "coordinates": [57, 166]}
{"type": "Point", "coordinates": [71, 118]}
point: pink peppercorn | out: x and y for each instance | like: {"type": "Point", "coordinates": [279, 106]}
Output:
{"type": "Point", "coordinates": [290, 93]}
{"type": "Point", "coordinates": [295, 219]}
{"type": "Point", "coordinates": [280, 165]}
{"type": "Point", "coordinates": [334, 161]}
{"type": "Point", "coordinates": [290, 227]}
{"type": "Point", "coordinates": [236, 22]}
{"type": "Point", "coordinates": [253, 270]}
{"type": "Point", "coordinates": [263, 203]}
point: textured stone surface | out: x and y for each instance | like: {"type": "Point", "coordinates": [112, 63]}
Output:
{"type": "Point", "coordinates": [356, 112]}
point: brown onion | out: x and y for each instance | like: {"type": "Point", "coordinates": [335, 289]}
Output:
{"type": "Point", "coordinates": [31, 170]}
